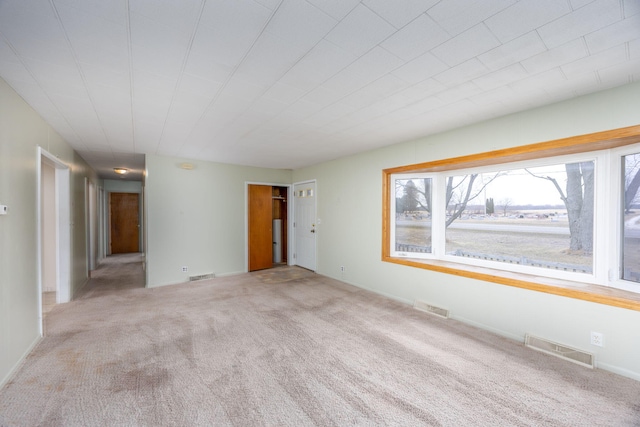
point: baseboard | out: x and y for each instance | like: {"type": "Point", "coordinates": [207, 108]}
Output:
{"type": "Point", "coordinates": [617, 370]}
{"type": "Point", "coordinates": [19, 363]}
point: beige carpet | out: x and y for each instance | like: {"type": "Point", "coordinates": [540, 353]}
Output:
{"type": "Point", "coordinates": [286, 347]}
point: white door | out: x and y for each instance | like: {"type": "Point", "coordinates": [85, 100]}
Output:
{"type": "Point", "coordinates": [305, 224]}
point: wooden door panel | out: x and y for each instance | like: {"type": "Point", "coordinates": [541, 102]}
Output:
{"type": "Point", "coordinates": [124, 214]}
{"type": "Point", "coordinates": [260, 227]}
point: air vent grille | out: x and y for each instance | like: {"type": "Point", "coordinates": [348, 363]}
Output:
{"type": "Point", "coordinates": [431, 309]}
{"type": "Point", "coordinates": [562, 351]}
{"type": "Point", "coordinates": [202, 277]}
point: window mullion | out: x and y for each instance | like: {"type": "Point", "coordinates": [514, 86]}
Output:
{"type": "Point", "coordinates": [438, 216]}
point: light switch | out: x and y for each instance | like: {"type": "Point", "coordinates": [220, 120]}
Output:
{"type": "Point", "coordinates": [3, 210]}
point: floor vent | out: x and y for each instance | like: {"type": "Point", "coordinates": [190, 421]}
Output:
{"type": "Point", "coordinates": [562, 351]}
{"type": "Point", "coordinates": [201, 277]}
{"type": "Point", "coordinates": [432, 309]}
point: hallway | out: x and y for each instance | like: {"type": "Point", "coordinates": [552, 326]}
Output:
{"type": "Point", "coordinates": [115, 273]}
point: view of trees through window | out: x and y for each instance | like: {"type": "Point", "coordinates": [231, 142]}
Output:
{"type": "Point", "coordinates": [413, 215]}
{"type": "Point", "coordinates": [539, 216]}
{"type": "Point", "coordinates": [631, 228]}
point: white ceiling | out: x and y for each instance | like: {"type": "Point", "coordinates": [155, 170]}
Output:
{"type": "Point", "coordinates": [290, 83]}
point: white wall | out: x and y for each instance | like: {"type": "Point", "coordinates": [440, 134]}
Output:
{"type": "Point", "coordinates": [349, 205]}
{"type": "Point", "coordinates": [196, 218]}
{"type": "Point", "coordinates": [21, 132]}
{"type": "Point", "coordinates": [49, 224]}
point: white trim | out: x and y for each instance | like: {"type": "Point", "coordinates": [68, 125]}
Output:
{"type": "Point", "coordinates": [63, 229]}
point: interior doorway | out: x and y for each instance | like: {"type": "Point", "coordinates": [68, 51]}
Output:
{"type": "Point", "coordinates": [124, 223]}
{"type": "Point", "coordinates": [267, 226]}
{"type": "Point", "coordinates": [53, 253]}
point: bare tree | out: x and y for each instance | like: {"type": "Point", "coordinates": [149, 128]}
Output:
{"type": "Point", "coordinates": [458, 195]}
{"type": "Point", "coordinates": [578, 200]}
{"type": "Point", "coordinates": [506, 202]}
{"type": "Point", "coordinates": [632, 180]}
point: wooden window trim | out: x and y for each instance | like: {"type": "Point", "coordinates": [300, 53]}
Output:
{"type": "Point", "coordinates": [572, 145]}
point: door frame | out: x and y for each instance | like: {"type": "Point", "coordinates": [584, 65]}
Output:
{"type": "Point", "coordinates": [315, 213]}
{"type": "Point", "coordinates": [63, 229]}
{"type": "Point", "coordinates": [290, 260]}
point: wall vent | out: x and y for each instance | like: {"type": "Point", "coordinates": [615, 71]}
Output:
{"type": "Point", "coordinates": [562, 351]}
{"type": "Point", "coordinates": [431, 309]}
{"type": "Point", "coordinates": [201, 277]}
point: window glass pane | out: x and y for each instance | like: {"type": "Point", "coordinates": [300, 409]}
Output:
{"type": "Point", "coordinates": [413, 215]}
{"type": "Point", "coordinates": [540, 216]}
{"type": "Point", "coordinates": [631, 229]}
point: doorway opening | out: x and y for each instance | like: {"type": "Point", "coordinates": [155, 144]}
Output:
{"type": "Point", "coordinates": [53, 253]}
{"type": "Point", "coordinates": [267, 226]}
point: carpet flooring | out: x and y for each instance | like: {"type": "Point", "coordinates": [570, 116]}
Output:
{"type": "Point", "coordinates": [287, 347]}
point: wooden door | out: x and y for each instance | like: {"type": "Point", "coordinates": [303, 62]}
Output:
{"type": "Point", "coordinates": [124, 215]}
{"type": "Point", "coordinates": [260, 227]}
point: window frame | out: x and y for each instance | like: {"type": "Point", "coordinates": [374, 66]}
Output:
{"type": "Point", "coordinates": [596, 287]}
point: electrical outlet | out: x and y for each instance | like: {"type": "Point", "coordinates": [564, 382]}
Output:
{"type": "Point", "coordinates": [342, 268]}
{"type": "Point", "coordinates": [597, 339]}
{"type": "Point", "coordinates": [185, 269]}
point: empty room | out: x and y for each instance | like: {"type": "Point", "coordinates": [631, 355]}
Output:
{"type": "Point", "coordinates": [315, 212]}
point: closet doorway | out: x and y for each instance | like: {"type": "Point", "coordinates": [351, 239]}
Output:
{"type": "Point", "coordinates": [266, 226]}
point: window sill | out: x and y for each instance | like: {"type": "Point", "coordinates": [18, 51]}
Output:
{"type": "Point", "coordinates": [582, 291]}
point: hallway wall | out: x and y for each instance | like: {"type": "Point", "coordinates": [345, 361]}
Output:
{"type": "Point", "coordinates": [21, 132]}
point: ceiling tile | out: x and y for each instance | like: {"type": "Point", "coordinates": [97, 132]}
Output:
{"type": "Point", "coordinates": [420, 69]}
{"type": "Point", "coordinates": [614, 34]}
{"type": "Point", "coordinates": [602, 60]}
{"type": "Point", "coordinates": [501, 77]}
{"type": "Point", "coordinates": [227, 31]}
{"type": "Point", "coordinates": [552, 58]}
{"type": "Point", "coordinates": [157, 47]}
{"type": "Point", "coordinates": [360, 31]}
{"type": "Point", "coordinates": [112, 10]}
{"type": "Point", "coordinates": [592, 17]}
{"type": "Point", "coordinates": [459, 92]}
{"type": "Point", "coordinates": [532, 85]}
{"type": "Point", "coordinates": [492, 96]}
{"type": "Point", "coordinates": [513, 52]}
{"type": "Point", "coordinates": [399, 12]}
{"type": "Point", "coordinates": [284, 93]}
{"type": "Point", "coordinates": [180, 15]}
{"type": "Point", "coordinates": [473, 42]}
{"type": "Point", "coordinates": [631, 7]}
{"type": "Point", "coordinates": [525, 16]}
{"type": "Point", "coordinates": [418, 37]}
{"type": "Point", "coordinates": [269, 59]}
{"type": "Point", "coordinates": [464, 72]}
{"type": "Point", "coordinates": [301, 24]}
{"type": "Point", "coordinates": [375, 91]}
{"type": "Point", "coordinates": [317, 66]}
{"type": "Point", "coordinates": [337, 9]}
{"type": "Point", "coordinates": [456, 16]}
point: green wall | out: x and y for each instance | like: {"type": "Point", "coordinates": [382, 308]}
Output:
{"type": "Point", "coordinates": [196, 218]}
{"type": "Point", "coordinates": [21, 132]}
{"type": "Point", "coordinates": [349, 205]}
